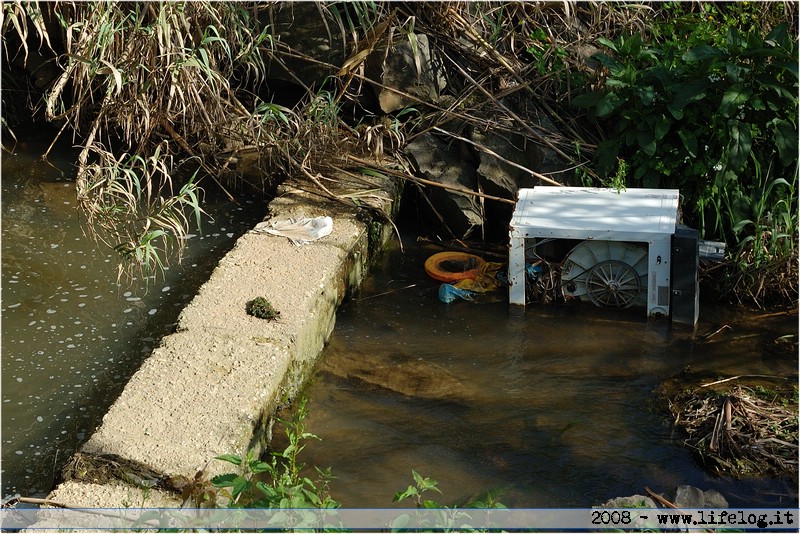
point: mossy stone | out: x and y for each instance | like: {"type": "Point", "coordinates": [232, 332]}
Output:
{"type": "Point", "coordinates": [261, 308]}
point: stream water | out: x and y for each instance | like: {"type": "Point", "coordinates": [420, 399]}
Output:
{"type": "Point", "coordinates": [71, 335]}
{"type": "Point", "coordinates": [554, 408]}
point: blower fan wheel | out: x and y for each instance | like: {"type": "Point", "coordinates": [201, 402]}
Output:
{"type": "Point", "coordinates": [606, 273]}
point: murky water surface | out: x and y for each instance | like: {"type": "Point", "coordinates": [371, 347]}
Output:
{"type": "Point", "coordinates": [550, 409]}
{"type": "Point", "coordinates": [71, 335]}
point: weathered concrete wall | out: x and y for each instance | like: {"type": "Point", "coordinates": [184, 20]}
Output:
{"type": "Point", "coordinates": [212, 387]}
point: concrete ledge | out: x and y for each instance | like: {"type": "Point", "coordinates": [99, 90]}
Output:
{"type": "Point", "coordinates": [212, 387]}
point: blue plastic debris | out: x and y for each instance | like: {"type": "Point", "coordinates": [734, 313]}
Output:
{"type": "Point", "coordinates": [533, 270]}
{"type": "Point", "coordinates": [448, 293]}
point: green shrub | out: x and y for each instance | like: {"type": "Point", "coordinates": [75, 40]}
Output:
{"type": "Point", "coordinates": [717, 120]}
{"type": "Point", "coordinates": [286, 485]}
{"type": "Point", "coordinates": [281, 483]}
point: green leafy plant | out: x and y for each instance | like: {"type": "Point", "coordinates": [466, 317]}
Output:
{"type": "Point", "coordinates": [421, 485]}
{"type": "Point", "coordinates": [718, 122]}
{"type": "Point", "coordinates": [281, 483]}
{"type": "Point", "coordinates": [446, 519]}
{"type": "Point", "coordinates": [284, 484]}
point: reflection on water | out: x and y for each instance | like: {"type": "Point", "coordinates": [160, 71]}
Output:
{"type": "Point", "coordinates": [71, 335]}
{"type": "Point", "coordinates": [550, 409]}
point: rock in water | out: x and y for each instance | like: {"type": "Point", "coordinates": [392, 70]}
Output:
{"type": "Point", "coordinates": [399, 373]}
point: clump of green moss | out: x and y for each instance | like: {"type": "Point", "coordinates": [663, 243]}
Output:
{"type": "Point", "coordinates": [261, 308]}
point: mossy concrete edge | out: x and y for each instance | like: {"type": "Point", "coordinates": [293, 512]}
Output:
{"type": "Point", "coordinates": [214, 385]}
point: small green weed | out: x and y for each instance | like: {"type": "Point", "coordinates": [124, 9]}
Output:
{"type": "Point", "coordinates": [444, 519]}
{"type": "Point", "coordinates": [261, 308]}
{"type": "Point", "coordinates": [287, 486]}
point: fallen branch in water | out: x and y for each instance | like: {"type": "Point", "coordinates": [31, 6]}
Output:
{"type": "Point", "coordinates": [738, 377]}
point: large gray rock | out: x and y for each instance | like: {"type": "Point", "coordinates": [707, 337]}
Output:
{"type": "Point", "coordinates": [409, 66]}
{"type": "Point", "coordinates": [407, 375]}
{"type": "Point", "coordinates": [691, 497]}
{"type": "Point", "coordinates": [714, 499]}
{"type": "Point", "coordinates": [499, 160]}
{"type": "Point", "coordinates": [445, 163]}
{"type": "Point", "coordinates": [501, 178]}
{"type": "Point", "coordinates": [633, 501]}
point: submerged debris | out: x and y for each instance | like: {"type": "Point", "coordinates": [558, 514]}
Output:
{"type": "Point", "coordinates": [740, 430]}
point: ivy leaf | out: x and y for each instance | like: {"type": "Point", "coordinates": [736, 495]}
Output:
{"type": "Point", "coordinates": [607, 61]}
{"type": "Point", "coordinates": [608, 104]}
{"type": "Point", "coordinates": [781, 89]}
{"type": "Point", "coordinates": [606, 157]}
{"type": "Point", "coordinates": [688, 93]}
{"type": "Point", "coordinates": [785, 140]}
{"type": "Point", "coordinates": [647, 141]}
{"type": "Point", "coordinates": [661, 127]}
{"type": "Point", "coordinates": [788, 66]}
{"type": "Point", "coordinates": [779, 37]}
{"type": "Point", "coordinates": [735, 96]}
{"type": "Point", "coordinates": [651, 179]}
{"type": "Point", "coordinates": [231, 458]}
{"type": "Point", "coordinates": [647, 94]}
{"type": "Point", "coordinates": [701, 53]}
{"type": "Point", "coordinates": [608, 43]}
{"type": "Point", "coordinates": [740, 144]}
{"type": "Point", "coordinates": [587, 100]}
{"type": "Point", "coordinates": [689, 140]}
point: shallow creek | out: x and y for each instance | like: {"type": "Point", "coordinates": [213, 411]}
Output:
{"type": "Point", "coordinates": [554, 408]}
{"type": "Point", "coordinates": [71, 335]}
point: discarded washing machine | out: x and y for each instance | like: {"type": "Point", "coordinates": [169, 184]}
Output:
{"type": "Point", "coordinates": [616, 248]}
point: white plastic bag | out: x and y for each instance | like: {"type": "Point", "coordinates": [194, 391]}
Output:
{"type": "Point", "coordinates": [299, 231]}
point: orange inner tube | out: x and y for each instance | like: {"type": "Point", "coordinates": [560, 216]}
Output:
{"type": "Point", "coordinates": [453, 266]}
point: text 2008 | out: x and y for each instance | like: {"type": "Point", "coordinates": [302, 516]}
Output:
{"type": "Point", "coordinates": [604, 517]}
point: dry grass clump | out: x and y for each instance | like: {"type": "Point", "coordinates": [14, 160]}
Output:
{"type": "Point", "coordinates": [740, 430]}
{"type": "Point", "coordinates": [158, 95]}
